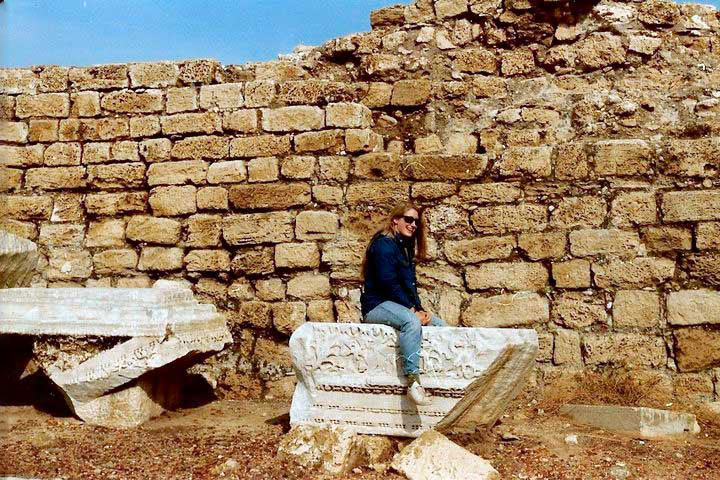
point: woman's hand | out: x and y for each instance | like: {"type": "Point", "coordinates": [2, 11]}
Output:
{"type": "Point", "coordinates": [424, 318]}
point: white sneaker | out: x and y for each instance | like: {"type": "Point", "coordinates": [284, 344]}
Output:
{"type": "Point", "coordinates": [417, 394]}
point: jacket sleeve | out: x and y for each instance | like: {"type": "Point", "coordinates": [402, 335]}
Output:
{"type": "Point", "coordinates": [385, 263]}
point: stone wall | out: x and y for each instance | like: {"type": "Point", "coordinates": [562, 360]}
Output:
{"type": "Point", "coordinates": [567, 153]}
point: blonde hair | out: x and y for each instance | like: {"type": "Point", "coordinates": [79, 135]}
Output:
{"type": "Point", "coordinates": [420, 237]}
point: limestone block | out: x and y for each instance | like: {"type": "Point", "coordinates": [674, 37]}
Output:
{"type": "Point", "coordinates": [668, 239]}
{"type": "Point", "coordinates": [348, 115]}
{"type": "Point", "coordinates": [207, 261]}
{"type": "Point", "coordinates": [160, 259]}
{"type": "Point", "coordinates": [288, 316]}
{"type": "Point", "coordinates": [10, 179]}
{"type": "Point", "coordinates": [640, 422]}
{"type": "Point", "coordinates": [334, 168]}
{"type": "Point", "coordinates": [204, 230]}
{"type": "Point", "coordinates": [507, 275]}
{"type": "Point", "coordinates": [105, 233]}
{"type": "Point", "coordinates": [61, 234]}
{"type": "Point", "coordinates": [622, 157]}
{"type": "Point", "coordinates": [181, 100]}
{"type": "Point", "coordinates": [533, 161]}
{"type": "Point", "coordinates": [518, 61]}
{"type": "Point", "coordinates": [368, 382]}
{"type": "Point", "coordinates": [198, 71]}
{"type": "Point", "coordinates": [198, 148]}
{"type": "Point", "coordinates": [18, 258]}
{"type": "Point", "coordinates": [263, 170]}
{"type": "Point", "coordinates": [115, 262]}
{"type": "Point", "coordinates": [224, 96]}
{"type": "Point", "coordinates": [117, 175]}
{"type": "Point", "coordinates": [444, 167]}
{"type": "Point", "coordinates": [377, 193]}
{"type": "Point", "coordinates": [56, 178]}
{"type": "Point", "coordinates": [164, 231]}
{"type": "Point", "coordinates": [490, 193]}
{"type": "Point", "coordinates": [577, 310]}
{"type": "Point", "coordinates": [125, 150]}
{"type": "Point", "coordinates": [334, 449]}
{"type": "Point", "coordinates": [297, 255]}
{"type": "Point", "coordinates": [21, 156]}
{"type": "Point", "coordinates": [432, 455]}
{"type": "Point", "coordinates": [432, 190]}
{"type": "Point", "coordinates": [332, 141]}
{"type": "Point", "coordinates": [26, 208]}
{"type": "Point", "coordinates": [273, 227]}
{"type": "Point", "coordinates": [16, 132]}
{"type": "Point", "coordinates": [43, 131]}
{"type": "Point", "coordinates": [212, 198]}
{"type": "Point", "coordinates": [156, 150]}
{"type": "Point", "coordinates": [579, 212]}
{"type": "Point", "coordinates": [184, 123]}
{"type": "Point", "coordinates": [160, 74]}
{"type": "Point", "coordinates": [128, 101]}
{"type": "Point", "coordinates": [15, 80]}
{"type": "Point", "coordinates": [270, 290]}
{"type": "Point", "coordinates": [173, 201]}
{"type": "Point", "coordinates": [293, 119]}
{"type": "Point", "coordinates": [43, 105]}
{"type": "Point", "coordinates": [599, 50]}
{"type": "Point", "coordinates": [111, 204]}
{"type": "Point", "coordinates": [627, 349]}
{"type": "Point", "coordinates": [69, 264]}
{"type": "Point", "coordinates": [379, 165]}
{"type": "Point", "coordinates": [476, 60]}
{"type": "Point", "coordinates": [244, 121]}
{"type": "Point", "coordinates": [177, 173]}
{"type": "Point", "coordinates": [572, 274]}
{"type": "Point", "coordinates": [479, 249]}
{"type": "Point", "coordinates": [697, 349]}
{"type": "Point", "coordinates": [539, 246]}
{"type": "Point", "coordinates": [145, 126]}
{"type": "Point", "coordinates": [520, 308]}
{"type": "Point", "coordinates": [589, 242]}
{"type": "Point", "coordinates": [307, 286]}
{"type": "Point", "coordinates": [633, 208]}
{"type": "Point", "coordinates": [99, 77]}
{"type": "Point", "coordinates": [320, 311]}
{"type": "Point", "coordinates": [693, 307]}
{"type": "Point", "coordinates": [509, 218]}
{"type": "Point", "coordinates": [298, 167]}
{"type": "Point", "coordinates": [227, 172]}
{"type": "Point", "coordinates": [636, 273]}
{"type": "Point", "coordinates": [260, 146]}
{"type": "Point", "coordinates": [658, 12]}
{"type": "Point", "coordinates": [85, 104]}
{"type": "Point", "coordinates": [275, 196]}
{"type": "Point", "coordinates": [691, 205]}
{"type": "Point", "coordinates": [316, 225]}
{"type": "Point", "coordinates": [378, 95]}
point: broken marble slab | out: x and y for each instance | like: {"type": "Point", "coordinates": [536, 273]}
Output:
{"type": "Point", "coordinates": [104, 347]}
{"type": "Point", "coordinates": [351, 375]}
{"type": "Point", "coordinates": [640, 422]}
{"type": "Point", "coordinates": [433, 456]}
{"type": "Point", "coordinates": [18, 259]}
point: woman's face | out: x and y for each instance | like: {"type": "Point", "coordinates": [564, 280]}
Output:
{"type": "Point", "coordinates": [408, 224]}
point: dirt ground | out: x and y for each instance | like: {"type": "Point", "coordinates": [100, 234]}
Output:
{"type": "Point", "coordinates": [238, 439]}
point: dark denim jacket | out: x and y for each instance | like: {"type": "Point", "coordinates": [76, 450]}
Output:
{"type": "Point", "coordinates": [390, 274]}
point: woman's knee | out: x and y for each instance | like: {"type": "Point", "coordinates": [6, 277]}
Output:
{"type": "Point", "coordinates": [411, 323]}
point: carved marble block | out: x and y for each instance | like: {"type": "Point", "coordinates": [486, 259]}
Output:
{"type": "Point", "coordinates": [113, 382]}
{"type": "Point", "coordinates": [351, 375]}
{"type": "Point", "coordinates": [18, 258]}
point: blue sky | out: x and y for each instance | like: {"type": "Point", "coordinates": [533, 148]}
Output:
{"type": "Point", "coordinates": [86, 32]}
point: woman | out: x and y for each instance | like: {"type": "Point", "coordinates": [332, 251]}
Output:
{"type": "Point", "coordinates": [390, 294]}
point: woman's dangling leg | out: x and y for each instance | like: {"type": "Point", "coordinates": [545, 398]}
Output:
{"type": "Point", "coordinates": [408, 324]}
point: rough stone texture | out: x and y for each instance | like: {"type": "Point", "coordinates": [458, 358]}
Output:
{"type": "Point", "coordinates": [640, 422]}
{"type": "Point", "coordinates": [521, 308]}
{"type": "Point", "coordinates": [531, 132]}
{"type": "Point", "coordinates": [432, 455]}
{"type": "Point", "coordinates": [369, 391]}
{"type": "Point", "coordinates": [334, 449]}
{"type": "Point", "coordinates": [18, 258]}
{"type": "Point", "coordinates": [693, 307]}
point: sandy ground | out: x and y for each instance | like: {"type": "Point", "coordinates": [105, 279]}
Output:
{"type": "Point", "coordinates": [197, 443]}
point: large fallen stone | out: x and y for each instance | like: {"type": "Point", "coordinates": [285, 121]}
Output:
{"type": "Point", "coordinates": [111, 351]}
{"type": "Point", "coordinates": [18, 258]}
{"type": "Point", "coordinates": [351, 375]}
{"type": "Point", "coordinates": [640, 422]}
{"type": "Point", "coordinates": [434, 457]}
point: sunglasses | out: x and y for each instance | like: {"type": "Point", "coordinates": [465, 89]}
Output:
{"type": "Point", "coordinates": [410, 220]}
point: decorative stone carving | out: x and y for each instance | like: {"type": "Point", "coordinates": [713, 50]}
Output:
{"type": "Point", "coordinates": [18, 258]}
{"type": "Point", "coordinates": [350, 375]}
{"type": "Point", "coordinates": [113, 382]}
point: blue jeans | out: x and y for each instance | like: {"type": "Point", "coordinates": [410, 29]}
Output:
{"type": "Point", "coordinates": [408, 324]}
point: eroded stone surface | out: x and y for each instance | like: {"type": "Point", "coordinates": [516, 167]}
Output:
{"type": "Point", "coordinates": [347, 376]}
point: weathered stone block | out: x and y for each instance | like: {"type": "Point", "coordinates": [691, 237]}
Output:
{"type": "Point", "coordinates": [260, 146]}
{"type": "Point", "coordinates": [522, 308]}
{"type": "Point", "coordinates": [160, 259]}
{"type": "Point", "coordinates": [633, 208]}
{"type": "Point", "coordinates": [572, 274]}
{"type": "Point", "coordinates": [99, 77]}
{"type": "Point", "coordinates": [204, 230]}
{"type": "Point", "coordinates": [519, 61]}
{"type": "Point", "coordinates": [198, 71]}
{"type": "Point", "coordinates": [348, 115]}
{"type": "Point", "coordinates": [68, 264]}
{"type": "Point", "coordinates": [444, 167]}
{"type": "Point", "coordinates": [288, 316]}
{"type": "Point", "coordinates": [254, 261]}
{"type": "Point", "coordinates": [106, 233]}
{"type": "Point", "coordinates": [61, 235]}
{"type": "Point", "coordinates": [128, 101]}
{"type": "Point", "coordinates": [599, 50]}
{"type": "Point", "coordinates": [269, 196]}
{"type": "Point", "coordinates": [377, 193]}
{"type": "Point", "coordinates": [177, 173]}
{"type": "Point", "coordinates": [307, 286]}
{"type": "Point", "coordinates": [540, 246]}
{"type": "Point", "coordinates": [534, 161]}
{"type": "Point", "coordinates": [378, 165]}
{"type": "Point", "coordinates": [181, 100]}
{"type": "Point", "coordinates": [479, 249]}
{"type": "Point", "coordinates": [697, 349]}
{"type": "Point", "coordinates": [627, 349]}
{"type": "Point", "coordinates": [636, 309]}
{"type": "Point", "coordinates": [263, 170]}
{"type": "Point", "coordinates": [622, 157]}
{"type": "Point", "coordinates": [491, 193]}
{"type": "Point", "coordinates": [155, 150]}
{"type": "Point", "coordinates": [636, 273]}
{"type": "Point", "coordinates": [297, 255]}
{"type": "Point", "coordinates": [43, 131]}
{"type": "Point", "coordinates": [18, 259]}
{"type": "Point", "coordinates": [163, 231]}
{"type": "Point", "coordinates": [57, 178]}
{"type": "Point", "coordinates": [270, 290]}
{"type": "Point", "coordinates": [293, 119]}
{"type": "Point", "coordinates": [115, 262]}
{"type": "Point", "coordinates": [567, 348]}
{"type": "Point", "coordinates": [669, 239]}
{"type": "Point", "coordinates": [576, 310]}
{"type": "Point", "coordinates": [332, 141]}
{"type": "Point", "coordinates": [589, 242]}
{"type": "Point", "coordinates": [273, 227]}
{"type": "Point", "coordinates": [639, 422]}
{"type": "Point", "coordinates": [16, 132]}
{"type": "Point", "coordinates": [198, 148]}
{"type": "Point", "coordinates": [117, 175]}
{"type": "Point", "coordinates": [145, 126]}
{"type": "Point", "coordinates": [297, 167]}
{"type": "Point", "coordinates": [334, 168]}
{"type": "Point", "coordinates": [173, 201]}
{"type": "Point", "coordinates": [207, 261]}
{"type": "Point", "coordinates": [378, 95]}
{"type": "Point", "coordinates": [183, 123]}
{"type": "Point", "coordinates": [43, 105]}
{"type": "Point", "coordinates": [693, 307]}
{"type": "Point", "coordinates": [579, 212]}
{"type": "Point", "coordinates": [316, 225]}
{"type": "Point", "coordinates": [11, 156]}
{"type": "Point", "coordinates": [507, 275]}
{"type": "Point", "coordinates": [476, 60]}
{"type": "Point", "coordinates": [509, 218]}
{"type": "Point", "coordinates": [212, 198]}
{"type": "Point", "coordinates": [160, 74]}
{"type": "Point", "coordinates": [116, 203]}
{"type": "Point", "coordinates": [225, 96]}
{"type": "Point", "coordinates": [690, 206]}
{"type": "Point", "coordinates": [411, 93]}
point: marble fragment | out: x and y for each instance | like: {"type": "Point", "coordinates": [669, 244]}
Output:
{"type": "Point", "coordinates": [350, 375]}
{"type": "Point", "coordinates": [18, 258]}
